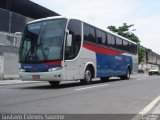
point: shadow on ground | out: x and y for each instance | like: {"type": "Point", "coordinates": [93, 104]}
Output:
{"type": "Point", "coordinates": [66, 85]}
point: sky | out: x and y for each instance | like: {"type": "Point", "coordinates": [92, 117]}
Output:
{"type": "Point", "coordinates": [144, 14]}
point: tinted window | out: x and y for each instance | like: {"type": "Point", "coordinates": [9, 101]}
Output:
{"type": "Point", "coordinates": [119, 43]}
{"type": "Point", "coordinates": [74, 28]}
{"type": "Point", "coordinates": [131, 47]}
{"type": "Point", "coordinates": [43, 41]}
{"type": "Point", "coordinates": [111, 40]}
{"type": "Point", "coordinates": [104, 38]}
{"type": "Point", "coordinates": [89, 33]}
{"type": "Point", "coordinates": [99, 36]}
{"type": "Point", "coordinates": [134, 48]}
{"type": "Point", "coordinates": [86, 32]}
{"type": "Point", "coordinates": [125, 45]}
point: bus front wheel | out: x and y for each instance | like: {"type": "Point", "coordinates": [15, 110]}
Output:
{"type": "Point", "coordinates": [87, 77]}
{"type": "Point", "coordinates": [54, 83]}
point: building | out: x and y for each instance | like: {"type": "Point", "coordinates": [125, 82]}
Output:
{"type": "Point", "coordinates": [14, 14]}
{"type": "Point", "coordinates": [151, 58]}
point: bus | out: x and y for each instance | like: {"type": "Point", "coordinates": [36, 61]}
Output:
{"type": "Point", "coordinates": [61, 48]}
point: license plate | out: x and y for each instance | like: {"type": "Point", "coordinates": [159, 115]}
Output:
{"type": "Point", "coordinates": [36, 77]}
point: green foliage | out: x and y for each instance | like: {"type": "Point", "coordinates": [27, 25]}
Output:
{"type": "Point", "coordinates": [141, 54]}
{"type": "Point", "coordinates": [125, 32]}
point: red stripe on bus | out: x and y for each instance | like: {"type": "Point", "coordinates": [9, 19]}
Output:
{"type": "Point", "coordinates": [101, 50]}
{"type": "Point", "coordinates": [57, 63]}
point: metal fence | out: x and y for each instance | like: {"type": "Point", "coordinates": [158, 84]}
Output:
{"type": "Point", "coordinates": [12, 22]}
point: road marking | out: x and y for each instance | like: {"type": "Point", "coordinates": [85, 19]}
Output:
{"type": "Point", "coordinates": [150, 106]}
{"type": "Point", "coordinates": [92, 87]}
{"type": "Point", "coordinates": [141, 79]}
{"type": "Point", "coordinates": [146, 109]}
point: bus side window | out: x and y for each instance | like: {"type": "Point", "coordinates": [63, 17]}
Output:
{"type": "Point", "coordinates": [119, 43]}
{"type": "Point", "coordinates": [104, 39]}
{"type": "Point", "coordinates": [86, 32]}
{"type": "Point", "coordinates": [99, 36]}
{"type": "Point", "coordinates": [74, 28]}
{"type": "Point", "coordinates": [89, 33]}
{"type": "Point", "coordinates": [135, 49]}
{"type": "Point", "coordinates": [92, 36]}
{"type": "Point", "coordinates": [111, 41]}
{"type": "Point", "coordinates": [125, 45]}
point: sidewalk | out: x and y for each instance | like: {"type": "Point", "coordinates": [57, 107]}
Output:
{"type": "Point", "coordinates": [17, 81]}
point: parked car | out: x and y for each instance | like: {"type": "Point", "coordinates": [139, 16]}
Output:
{"type": "Point", "coordinates": [140, 70]}
{"type": "Point", "coordinates": [154, 70]}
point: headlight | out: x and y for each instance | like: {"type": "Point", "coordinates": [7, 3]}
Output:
{"type": "Point", "coordinates": [54, 69]}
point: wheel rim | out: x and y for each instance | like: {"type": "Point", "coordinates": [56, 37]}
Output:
{"type": "Point", "coordinates": [128, 74]}
{"type": "Point", "coordinates": [88, 76]}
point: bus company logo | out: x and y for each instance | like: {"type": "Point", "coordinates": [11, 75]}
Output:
{"type": "Point", "coordinates": [27, 67]}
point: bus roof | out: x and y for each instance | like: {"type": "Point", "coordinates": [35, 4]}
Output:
{"type": "Point", "coordinates": [59, 17]}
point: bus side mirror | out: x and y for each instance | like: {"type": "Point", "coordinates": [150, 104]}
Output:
{"type": "Point", "coordinates": [69, 40]}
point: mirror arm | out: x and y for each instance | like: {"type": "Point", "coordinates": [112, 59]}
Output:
{"type": "Point", "coordinates": [67, 31]}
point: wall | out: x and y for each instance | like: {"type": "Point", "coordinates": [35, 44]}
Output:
{"type": "Point", "coordinates": [9, 49]}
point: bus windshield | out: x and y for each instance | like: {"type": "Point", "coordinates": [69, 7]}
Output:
{"type": "Point", "coordinates": [43, 41]}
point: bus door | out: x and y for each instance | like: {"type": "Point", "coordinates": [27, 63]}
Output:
{"type": "Point", "coordinates": [72, 48]}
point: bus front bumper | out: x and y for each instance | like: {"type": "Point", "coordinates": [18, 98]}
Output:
{"type": "Point", "coordinates": [41, 76]}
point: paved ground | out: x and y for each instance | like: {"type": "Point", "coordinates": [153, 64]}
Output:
{"type": "Point", "coordinates": [115, 97]}
{"type": "Point", "coordinates": [11, 82]}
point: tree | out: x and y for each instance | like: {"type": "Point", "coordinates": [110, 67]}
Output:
{"type": "Point", "coordinates": [141, 54]}
{"type": "Point", "coordinates": [125, 31]}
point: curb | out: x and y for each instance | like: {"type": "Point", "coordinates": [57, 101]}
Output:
{"type": "Point", "coordinates": [15, 82]}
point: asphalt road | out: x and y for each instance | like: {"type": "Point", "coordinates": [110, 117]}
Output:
{"type": "Point", "coordinates": [112, 97]}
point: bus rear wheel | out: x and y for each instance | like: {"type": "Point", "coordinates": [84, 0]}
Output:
{"type": "Point", "coordinates": [87, 77]}
{"type": "Point", "coordinates": [54, 83]}
{"type": "Point", "coordinates": [127, 76]}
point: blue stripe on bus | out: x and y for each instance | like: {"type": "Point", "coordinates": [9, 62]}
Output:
{"type": "Point", "coordinates": [38, 67]}
{"type": "Point", "coordinates": [114, 65]}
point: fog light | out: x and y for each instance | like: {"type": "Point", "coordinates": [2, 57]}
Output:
{"type": "Point", "coordinates": [22, 70]}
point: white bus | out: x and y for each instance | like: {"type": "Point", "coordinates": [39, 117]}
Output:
{"type": "Point", "coordinates": [58, 49]}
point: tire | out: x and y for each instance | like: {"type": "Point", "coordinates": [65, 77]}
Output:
{"type": "Point", "coordinates": [87, 77]}
{"type": "Point", "coordinates": [127, 76]}
{"type": "Point", "coordinates": [54, 83]}
{"type": "Point", "coordinates": [104, 79]}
